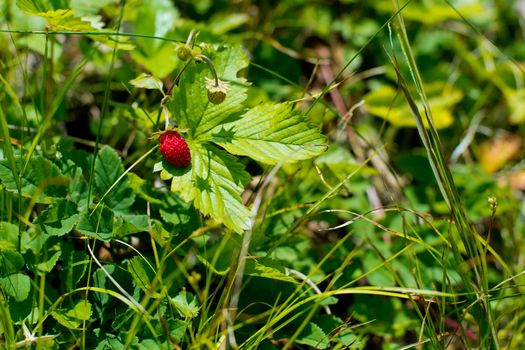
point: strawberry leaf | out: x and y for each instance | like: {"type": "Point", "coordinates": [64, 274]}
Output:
{"type": "Point", "coordinates": [66, 19]}
{"type": "Point", "coordinates": [193, 110]}
{"type": "Point", "coordinates": [214, 182]}
{"type": "Point", "coordinates": [108, 169]}
{"type": "Point", "coordinates": [270, 133]}
{"type": "Point", "coordinates": [42, 180]}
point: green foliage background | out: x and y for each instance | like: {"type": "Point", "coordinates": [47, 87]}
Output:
{"type": "Point", "coordinates": [361, 186]}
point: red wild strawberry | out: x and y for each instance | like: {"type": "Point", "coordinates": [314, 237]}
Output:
{"type": "Point", "coordinates": [174, 149]}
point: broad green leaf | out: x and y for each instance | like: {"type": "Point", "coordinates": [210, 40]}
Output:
{"type": "Point", "coordinates": [338, 331]}
{"type": "Point", "coordinates": [65, 320]}
{"type": "Point", "coordinates": [312, 335]}
{"type": "Point", "coordinates": [271, 133]}
{"type": "Point", "coordinates": [74, 268]}
{"type": "Point", "coordinates": [128, 223]}
{"type": "Point", "coordinates": [148, 344]}
{"type": "Point", "coordinates": [73, 318]}
{"type": "Point", "coordinates": [110, 341]}
{"type": "Point", "coordinates": [108, 168]}
{"type": "Point", "coordinates": [59, 219]}
{"type": "Point", "coordinates": [67, 20]}
{"type": "Point", "coordinates": [81, 311]}
{"type": "Point", "coordinates": [157, 18]}
{"type": "Point", "coordinates": [386, 103]}
{"type": "Point", "coordinates": [11, 261]}
{"type": "Point", "coordinates": [180, 213]}
{"type": "Point", "coordinates": [33, 6]}
{"type": "Point", "coordinates": [186, 304]}
{"type": "Point", "coordinates": [42, 180]}
{"type": "Point", "coordinates": [191, 107]}
{"type": "Point", "coordinates": [267, 268]}
{"type": "Point", "coordinates": [177, 328]}
{"type": "Point", "coordinates": [214, 182]}
{"type": "Point", "coordinates": [222, 22]}
{"type": "Point", "coordinates": [147, 81]}
{"type": "Point", "coordinates": [49, 263]}
{"type": "Point", "coordinates": [17, 286]}
{"type": "Point", "coordinates": [142, 275]}
{"type": "Point", "coordinates": [33, 240]}
{"type": "Point", "coordinates": [9, 237]}
{"type": "Point", "coordinates": [90, 7]}
{"type": "Point", "coordinates": [160, 63]}
{"type": "Point", "coordinates": [97, 225]}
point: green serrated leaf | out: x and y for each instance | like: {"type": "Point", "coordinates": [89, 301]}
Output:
{"type": "Point", "coordinates": [81, 311]}
{"type": "Point", "coordinates": [312, 335]}
{"type": "Point", "coordinates": [338, 331]}
{"type": "Point", "coordinates": [97, 225]}
{"type": "Point", "coordinates": [108, 168]}
{"type": "Point", "coordinates": [67, 20]}
{"type": "Point", "coordinates": [147, 81]}
{"type": "Point", "coordinates": [271, 133]}
{"type": "Point", "coordinates": [73, 318]}
{"type": "Point", "coordinates": [267, 268]}
{"type": "Point", "coordinates": [213, 182]}
{"type": "Point", "coordinates": [65, 320]}
{"type": "Point", "coordinates": [186, 304]}
{"type": "Point", "coordinates": [33, 240]}
{"type": "Point", "coordinates": [59, 219]}
{"type": "Point", "coordinates": [157, 18]}
{"type": "Point", "coordinates": [10, 262]}
{"type": "Point", "coordinates": [191, 106]}
{"type": "Point", "coordinates": [128, 223]}
{"type": "Point", "coordinates": [44, 261]}
{"type": "Point", "coordinates": [17, 286]}
{"type": "Point", "coordinates": [142, 274]}
{"type": "Point", "coordinates": [42, 180]}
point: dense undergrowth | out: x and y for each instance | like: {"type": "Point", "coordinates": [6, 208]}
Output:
{"type": "Point", "coordinates": [359, 185]}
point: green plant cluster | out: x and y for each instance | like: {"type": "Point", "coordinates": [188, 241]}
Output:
{"type": "Point", "coordinates": [356, 177]}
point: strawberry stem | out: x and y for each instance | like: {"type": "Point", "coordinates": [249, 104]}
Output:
{"type": "Point", "coordinates": [212, 67]}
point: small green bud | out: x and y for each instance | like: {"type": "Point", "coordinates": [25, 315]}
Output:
{"type": "Point", "coordinates": [184, 53]}
{"type": "Point", "coordinates": [493, 203]}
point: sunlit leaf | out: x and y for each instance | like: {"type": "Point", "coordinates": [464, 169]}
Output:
{"type": "Point", "coordinates": [17, 286]}
{"type": "Point", "coordinates": [213, 182]}
{"type": "Point", "coordinates": [192, 109]}
{"type": "Point", "coordinates": [147, 81]}
{"type": "Point", "coordinates": [271, 133]}
{"type": "Point", "coordinates": [186, 304]}
{"type": "Point", "coordinates": [386, 103]}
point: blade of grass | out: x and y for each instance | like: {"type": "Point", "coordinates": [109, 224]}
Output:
{"type": "Point", "coordinates": [432, 143]}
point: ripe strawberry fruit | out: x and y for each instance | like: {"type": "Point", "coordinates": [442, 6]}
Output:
{"type": "Point", "coordinates": [174, 149]}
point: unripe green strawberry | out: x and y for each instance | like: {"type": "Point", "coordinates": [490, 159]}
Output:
{"type": "Point", "coordinates": [184, 52]}
{"type": "Point", "coordinates": [174, 149]}
{"type": "Point", "coordinates": [216, 97]}
{"type": "Point", "coordinates": [216, 90]}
